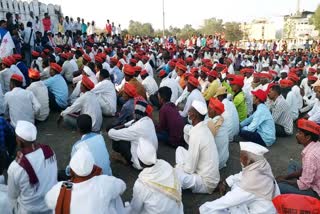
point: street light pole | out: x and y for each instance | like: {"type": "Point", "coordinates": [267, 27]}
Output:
{"type": "Point", "coordinates": [163, 19]}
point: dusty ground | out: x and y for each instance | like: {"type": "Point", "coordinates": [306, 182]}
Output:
{"type": "Point", "coordinates": [62, 140]}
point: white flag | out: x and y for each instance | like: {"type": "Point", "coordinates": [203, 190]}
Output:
{"type": "Point", "coordinates": [7, 45]}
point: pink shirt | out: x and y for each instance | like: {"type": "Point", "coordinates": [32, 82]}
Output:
{"type": "Point", "coordinates": [310, 177]}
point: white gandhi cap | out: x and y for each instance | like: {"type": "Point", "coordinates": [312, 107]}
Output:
{"type": "Point", "coordinates": [200, 107]}
{"type": "Point", "coordinates": [26, 130]}
{"type": "Point", "coordinates": [253, 148]}
{"type": "Point", "coordinates": [82, 162]}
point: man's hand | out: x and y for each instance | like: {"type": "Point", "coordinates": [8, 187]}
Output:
{"type": "Point", "coordinates": [222, 186]}
{"type": "Point", "coordinates": [59, 121]}
{"type": "Point", "coordinates": [281, 179]}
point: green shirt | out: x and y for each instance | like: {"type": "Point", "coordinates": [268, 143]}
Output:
{"type": "Point", "coordinates": [240, 103]}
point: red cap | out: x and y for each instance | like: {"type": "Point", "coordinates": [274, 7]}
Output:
{"type": "Point", "coordinates": [12, 59]}
{"type": "Point", "coordinates": [273, 73]}
{"type": "Point", "coordinates": [6, 61]}
{"type": "Point", "coordinates": [216, 105]}
{"type": "Point", "coordinates": [145, 57]}
{"type": "Point", "coordinates": [162, 73]}
{"type": "Point", "coordinates": [87, 82]}
{"type": "Point", "coordinates": [103, 56]}
{"type": "Point", "coordinates": [219, 65]}
{"type": "Point", "coordinates": [57, 49]}
{"type": "Point", "coordinates": [213, 73]}
{"type": "Point", "coordinates": [286, 83]}
{"type": "Point", "coordinates": [56, 67]}
{"type": "Point", "coordinates": [265, 75]}
{"type": "Point", "coordinates": [17, 77]}
{"type": "Point", "coordinates": [209, 64]}
{"type": "Point", "coordinates": [194, 70]}
{"type": "Point", "coordinates": [129, 70]}
{"type": "Point", "coordinates": [181, 67]}
{"type": "Point", "coordinates": [312, 78]}
{"type": "Point", "coordinates": [114, 60]}
{"type": "Point", "coordinates": [133, 61]}
{"type": "Point", "coordinates": [237, 80]}
{"type": "Point", "coordinates": [34, 74]}
{"type": "Point", "coordinates": [46, 50]}
{"type": "Point", "coordinates": [87, 57]}
{"type": "Point", "coordinates": [130, 90]}
{"type": "Point", "coordinates": [64, 56]}
{"type": "Point", "coordinates": [260, 94]}
{"type": "Point", "coordinates": [35, 53]}
{"type": "Point", "coordinates": [312, 70]}
{"type": "Point", "coordinates": [193, 81]}
{"type": "Point", "coordinates": [172, 64]}
{"type": "Point", "coordinates": [293, 77]}
{"type": "Point", "coordinates": [143, 72]}
{"type": "Point", "coordinates": [137, 69]}
{"type": "Point", "coordinates": [231, 76]}
{"type": "Point", "coordinates": [137, 56]}
{"type": "Point", "coordinates": [17, 56]}
{"type": "Point", "coordinates": [256, 75]}
{"type": "Point", "coordinates": [205, 70]}
{"type": "Point", "coordinates": [98, 59]}
{"type": "Point", "coordinates": [189, 59]}
{"type": "Point", "coordinates": [309, 126]}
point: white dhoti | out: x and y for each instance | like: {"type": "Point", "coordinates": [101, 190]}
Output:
{"type": "Point", "coordinates": [188, 181]}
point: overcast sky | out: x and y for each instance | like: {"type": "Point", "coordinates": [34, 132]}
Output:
{"type": "Point", "coordinates": [180, 12]}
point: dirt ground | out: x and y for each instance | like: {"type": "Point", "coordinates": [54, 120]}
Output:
{"type": "Point", "coordinates": [61, 140]}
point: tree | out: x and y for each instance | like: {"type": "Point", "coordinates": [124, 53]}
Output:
{"type": "Point", "coordinates": [212, 26]}
{"type": "Point", "coordinates": [141, 29]}
{"type": "Point", "coordinates": [232, 31]}
{"type": "Point", "coordinates": [187, 31]}
{"type": "Point", "coordinates": [315, 19]}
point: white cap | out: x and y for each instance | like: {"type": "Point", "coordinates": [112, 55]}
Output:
{"type": "Point", "coordinates": [88, 71]}
{"type": "Point", "coordinates": [200, 107]}
{"type": "Point", "coordinates": [26, 130]}
{"type": "Point", "coordinates": [146, 152]}
{"type": "Point", "coordinates": [283, 71]}
{"type": "Point", "coordinates": [82, 162]}
{"type": "Point", "coordinates": [253, 148]}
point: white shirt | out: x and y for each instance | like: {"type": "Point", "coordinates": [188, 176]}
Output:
{"type": "Point", "coordinates": [174, 86]}
{"type": "Point", "coordinates": [194, 95]}
{"type": "Point", "coordinates": [73, 62]}
{"type": "Point", "coordinates": [1, 101]}
{"type": "Point", "coordinates": [5, 76]}
{"type": "Point", "coordinates": [149, 69]}
{"type": "Point", "coordinates": [87, 103]}
{"type": "Point", "coordinates": [150, 85]}
{"type": "Point", "coordinates": [4, 200]}
{"type": "Point", "coordinates": [40, 91]}
{"type": "Point", "coordinates": [238, 201]}
{"type": "Point", "coordinates": [202, 158]}
{"type": "Point", "coordinates": [294, 102]}
{"type": "Point", "coordinates": [143, 128]}
{"type": "Point", "coordinates": [314, 114]}
{"type": "Point", "coordinates": [20, 104]}
{"type": "Point", "coordinates": [222, 141]}
{"type": "Point", "coordinates": [67, 70]}
{"type": "Point", "coordinates": [231, 118]}
{"type": "Point", "coordinates": [100, 195]}
{"type": "Point", "coordinates": [19, 189]}
{"type": "Point", "coordinates": [107, 97]}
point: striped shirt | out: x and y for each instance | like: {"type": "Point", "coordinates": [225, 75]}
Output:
{"type": "Point", "coordinates": [282, 115]}
{"type": "Point", "coordinates": [310, 177]}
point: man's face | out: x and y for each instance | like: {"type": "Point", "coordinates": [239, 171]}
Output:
{"type": "Point", "coordinates": [317, 90]}
{"type": "Point", "coordinates": [283, 75]}
{"type": "Point", "coordinates": [52, 72]}
{"type": "Point", "coordinates": [272, 94]}
{"type": "Point", "coordinates": [211, 113]}
{"type": "Point", "coordinates": [301, 137]}
{"type": "Point", "coordinates": [189, 87]}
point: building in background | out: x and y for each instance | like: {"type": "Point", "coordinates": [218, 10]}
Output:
{"type": "Point", "coordinates": [259, 29]}
{"type": "Point", "coordinates": [298, 26]}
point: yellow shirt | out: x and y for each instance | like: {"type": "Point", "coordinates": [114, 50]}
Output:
{"type": "Point", "coordinates": [211, 90]}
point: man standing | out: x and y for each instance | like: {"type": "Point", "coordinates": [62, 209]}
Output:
{"type": "Point", "coordinates": [87, 191]}
{"type": "Point", "coordinates": [252, 190]}
{"type": "Point", "coordinates": [57, 88]}
{"type": "Point", "coordinates": [33, 173]}
{"type": "Point", "coordinates": [170, 127]}
{"type": "Point", "coordinates": [259, 127]}
{"type": "Point", "coordinates": [198, 167]}
{"type": "Point", "coordinates": [28, 40]}
{"type": "Point", "coordinates": [157, 189]}
{"type": "Point", "coordinates": [308, 182]}
{"type": "Point", "coordinates": [20, 104]}
{"type": "Point", "coordinates": [106, 94]}
{"type": "Point", "coordinates": [281, 115]}
{"type": "Point", "coordinates": [87, 103]}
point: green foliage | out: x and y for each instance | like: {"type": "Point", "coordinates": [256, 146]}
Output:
{"type": "Point", "coordinates": [141, 29]}
{"type": "Point", "coordinates": [212, 26]}
{"type": "Point", "coordinates": [315, 20]}
{"type": "Point", "coordinates": [232, 31]}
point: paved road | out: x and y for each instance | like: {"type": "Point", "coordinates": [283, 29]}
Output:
{"type": "Point", "coordinates": [62, 139]}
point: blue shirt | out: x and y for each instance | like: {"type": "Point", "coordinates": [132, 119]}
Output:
{"type": "Point", "coordinates": [6, 131]}
{"type": "Point", "coordinates": [24, 70]}
{"type": "Point", "coordinates": [58, 87]}
{"type": "Point", "coordinates": [262, 122]}
{"type": "Point", "coordinates": [97, 147]}
{"type": "Point", "coordinates": [117, 76]}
